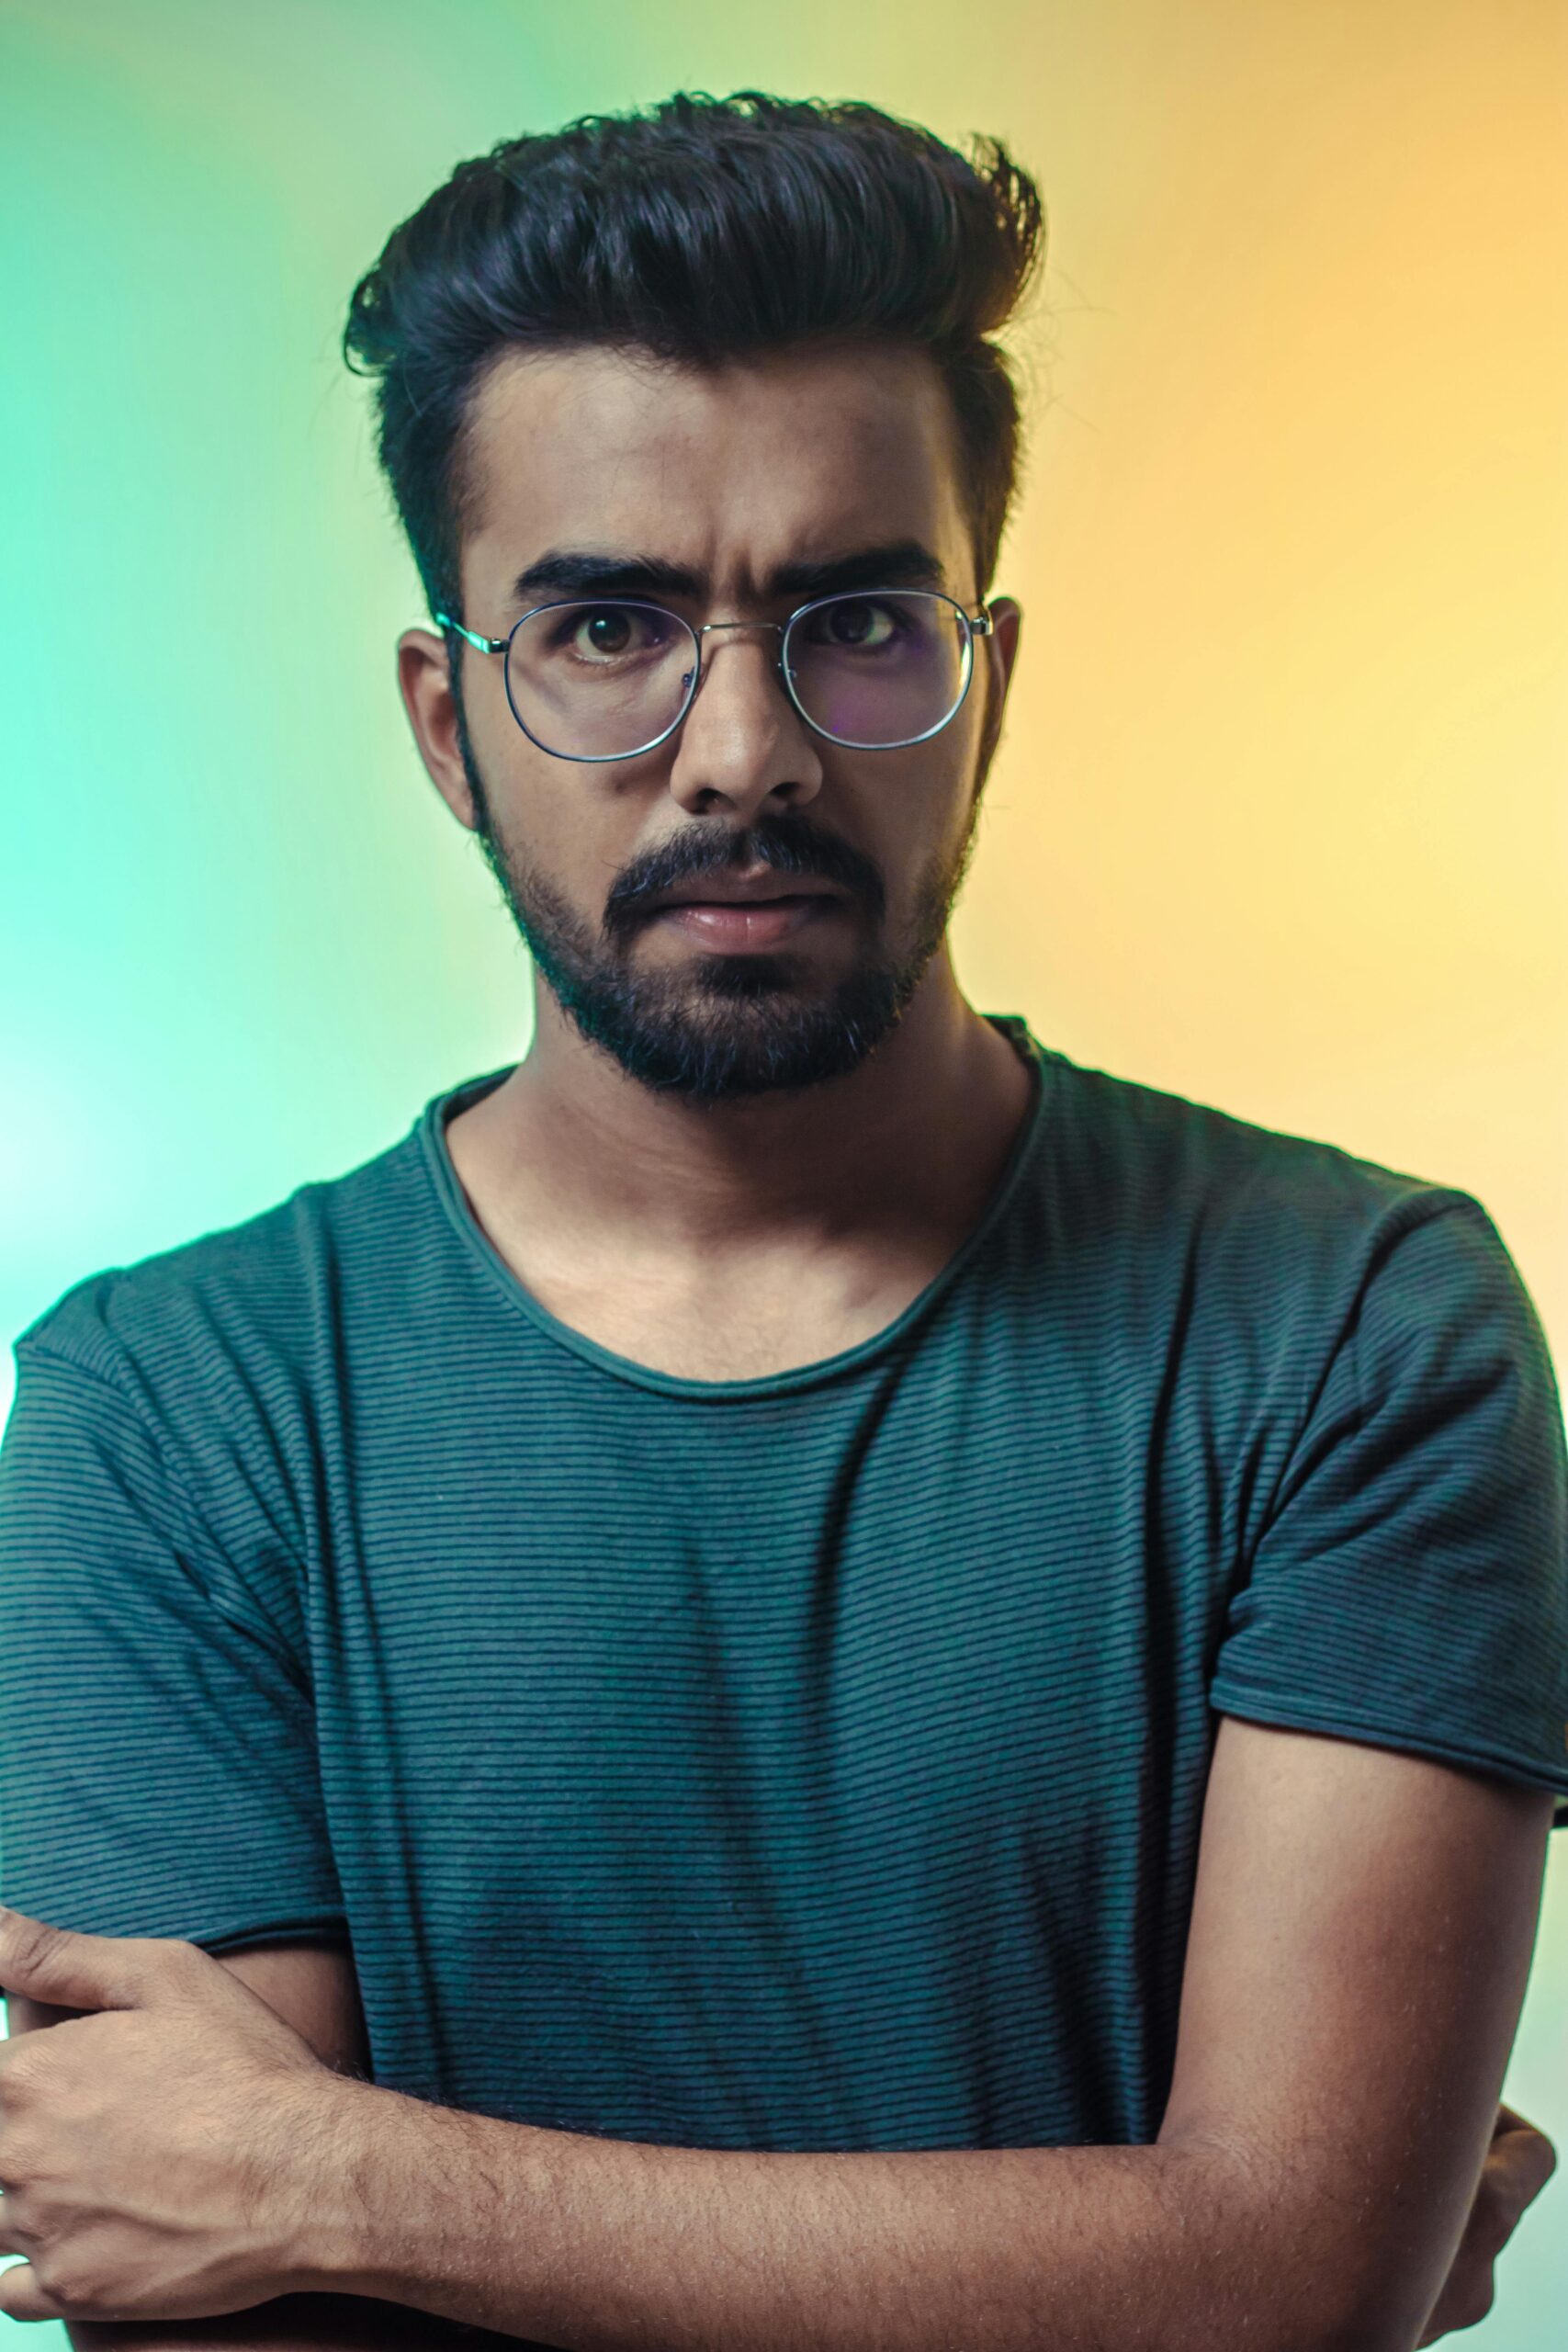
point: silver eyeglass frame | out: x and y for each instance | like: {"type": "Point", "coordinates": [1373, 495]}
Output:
{"type": "Point", "coordinates": [978, 624]}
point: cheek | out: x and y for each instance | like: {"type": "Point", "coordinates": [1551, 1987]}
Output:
{"type": "Point", "coordinates": [912, 818]}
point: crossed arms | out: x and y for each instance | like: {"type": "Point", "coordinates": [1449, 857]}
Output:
{"type": "Point", "coordinates": [1361, 1934]}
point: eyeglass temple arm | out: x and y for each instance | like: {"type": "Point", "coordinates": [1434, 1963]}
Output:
{"type": "Point", "coordinates": [481, 644]}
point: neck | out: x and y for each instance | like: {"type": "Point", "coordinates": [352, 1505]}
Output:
{"type": "Point", "coordinates": [908, 1144]}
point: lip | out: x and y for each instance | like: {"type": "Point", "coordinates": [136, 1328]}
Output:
{"type": "Point", "coordinates": [748, 923]}
{"type": "Point", "coordinates": [742, 889]}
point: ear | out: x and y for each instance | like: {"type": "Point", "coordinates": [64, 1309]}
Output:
{"type": "Point", "coordinates": [1000, 652]}
{"type": "Point", "coordinates": [424, 681]}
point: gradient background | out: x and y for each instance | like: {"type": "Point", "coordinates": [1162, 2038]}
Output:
{"type": "Point", "coordinates": [1277, 821]}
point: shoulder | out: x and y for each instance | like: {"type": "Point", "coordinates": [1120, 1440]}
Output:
{"type": "Point", "coordinates": [264, 1288]}
{"type": "Point", "coordinates": [1163, 1176]}
{"type": "Point", "coordinates": [209, 1372]}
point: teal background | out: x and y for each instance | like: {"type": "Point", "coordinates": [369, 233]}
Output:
{"type": "Point", "coordinates": [241, 939]}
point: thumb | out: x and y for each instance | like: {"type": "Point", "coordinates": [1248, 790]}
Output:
{"type": "Point", "coordinates": [71, 1970]}
{"type": "Point", "coordinates": [1524, 2159]}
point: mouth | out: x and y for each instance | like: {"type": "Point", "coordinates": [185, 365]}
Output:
{"type": "Point", "coordinates": [750, 923]}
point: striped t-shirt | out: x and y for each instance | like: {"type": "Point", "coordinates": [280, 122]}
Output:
{"type": "Point", "coordinates": [805, 1762]}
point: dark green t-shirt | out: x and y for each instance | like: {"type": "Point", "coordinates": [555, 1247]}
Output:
{"type": "Point", "coordinates": [811, 1762]}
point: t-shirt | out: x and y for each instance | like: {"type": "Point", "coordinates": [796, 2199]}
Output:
{"type": "Point", "coordinates": [809, 1761]}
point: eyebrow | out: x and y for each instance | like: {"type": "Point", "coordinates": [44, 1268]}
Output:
{"type": "Point", "coordinates": [896, 563]}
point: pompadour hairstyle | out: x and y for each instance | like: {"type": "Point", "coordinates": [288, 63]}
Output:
{"type": "Point", "coordinates": [699, 229]}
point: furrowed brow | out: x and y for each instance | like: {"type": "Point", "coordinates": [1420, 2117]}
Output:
{"type": "Point", "coordinates": [898, 563]}
{"type": "Point", "coordinates": [586, 572]}
{"type": "Point", "coordinates": [573, 572]}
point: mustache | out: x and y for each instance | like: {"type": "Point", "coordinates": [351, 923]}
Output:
{"type": "Point", "coordinates": [793, 854]}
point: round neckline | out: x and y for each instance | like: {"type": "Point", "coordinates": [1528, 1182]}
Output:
{"type": "Point", "coordinates": [437, 1158]}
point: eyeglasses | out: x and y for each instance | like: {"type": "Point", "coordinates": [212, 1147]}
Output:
{"type": "Point", "coordinates": [872, 670]}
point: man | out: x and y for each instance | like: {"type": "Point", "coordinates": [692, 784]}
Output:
{"type": "Point", "coordinates": [796, 1575]}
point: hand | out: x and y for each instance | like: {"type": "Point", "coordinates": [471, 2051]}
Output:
{"type": "Point", "coordinates": [160, 2160]}
{"type": "Point", "coordinates": [1519, 2163]}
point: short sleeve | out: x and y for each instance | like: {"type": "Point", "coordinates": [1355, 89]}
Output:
{"type": "Point", "coordinates": [158, 1765]}
{"type": "Point", "coordinates": [1410, 1586]}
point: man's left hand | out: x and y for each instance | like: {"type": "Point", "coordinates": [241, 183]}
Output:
{"type": "Point", "coordinates": [164, 2158]}
{"type": "Point", "coordinates": [1518, 2164]}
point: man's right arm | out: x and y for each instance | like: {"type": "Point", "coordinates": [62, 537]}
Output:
{"type": "Point", "coordinates": [314, 1988]}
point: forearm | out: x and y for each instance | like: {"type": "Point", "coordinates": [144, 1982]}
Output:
{"type": "Point", "coordinates": [323, 2323]}
{"type": "Point", "coordinates": [609, 2245]}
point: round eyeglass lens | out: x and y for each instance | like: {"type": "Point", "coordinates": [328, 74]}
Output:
{"type": "Point", "coordinates": [873, 670]}
{"type": "Point", "coordinates": [598, 681]}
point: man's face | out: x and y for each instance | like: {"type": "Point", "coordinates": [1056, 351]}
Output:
{"type": "Point", "coordinates": [794, 459]}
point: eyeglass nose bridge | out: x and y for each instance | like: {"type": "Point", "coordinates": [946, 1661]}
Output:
{"type": "Point", "coordinates": [780, 630]}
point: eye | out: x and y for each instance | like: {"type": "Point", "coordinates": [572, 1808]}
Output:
{"type": "Point", "coordinates": [606, 629]}
{"type": "Point", "coordinates": [858, 624]}
{"type": "Point", "coordinates": [599, 635]}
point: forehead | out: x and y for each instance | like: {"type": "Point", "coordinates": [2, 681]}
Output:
{"type": "Point", "coordinates": [731, 471]}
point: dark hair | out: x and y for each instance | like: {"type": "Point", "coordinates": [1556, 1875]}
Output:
{"type": "Point", "coordinates": [701, 229]}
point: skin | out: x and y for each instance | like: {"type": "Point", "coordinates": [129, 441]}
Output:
{"type": "Point", "coordinates": [785, 1182]}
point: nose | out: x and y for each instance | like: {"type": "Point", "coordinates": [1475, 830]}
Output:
{"type": "Point", "coordinates": [742, 741]}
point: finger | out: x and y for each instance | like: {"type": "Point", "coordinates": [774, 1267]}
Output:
{"type": "Point", "coordinates": [71, 1970]}
{"type": "Point", "coordinates": [1510, 2119]}
{"type": "Point", "coordinates": [1520, 2162]}
{"type": "Point", "coordinates": [21, 2297]}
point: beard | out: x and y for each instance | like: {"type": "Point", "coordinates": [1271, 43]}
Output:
{"type": "Point", "coordinates": [724, 1026]}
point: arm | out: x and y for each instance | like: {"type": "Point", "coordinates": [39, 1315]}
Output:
{"type": "Point", "coordinates": [1361, 1940]}
{"type": "Point", "coordinates": [1363, 1926]}
{"type": "Point", "coordinates": [313, 1987]}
